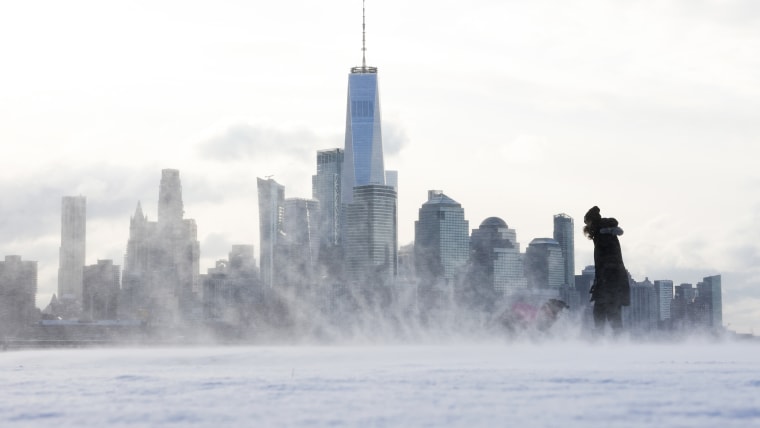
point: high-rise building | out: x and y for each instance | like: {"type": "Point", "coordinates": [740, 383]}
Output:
{"type": "Point", "coordinates": [371, 247]}
{"type": "Point", "coordinates": [18, 291]}
{"type": "Point", "coordinates": [101, 291]}
{"type": "Point", "coordinates": [170, 206]}
{"type": "Point", "coordinates": [564, 234]}
{"type": "Point", "coordinates": [495, 267]}
{"type": "Point", "coordinates": [544, 264]}
{"type": "Point", "coordinates": [271, 215]}
{"type": "Point", "coordinates": [683, 298]}
{"type": "Point", "coordinates": [72, 251]}
{"type": "Point", "coordinates": [441, 241]}
{"type": "Point", "coordinates": [299, 244]}
{"type": "Point", "coordinates": [326, 188]}
{"type": "Point", "coordinates": [710, 300]}
{"type": "Point", "coordinates": [641, 315]}
{"type": "Point", "coordinates": [364, 143]}
{"type": "Point", "coordinates": [441, 249]}
{"type": "Point", "coordinates": [161, 278]}
{"type": "Point", "coordinates": [664, 291]}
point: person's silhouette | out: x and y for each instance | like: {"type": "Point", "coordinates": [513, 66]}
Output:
{"type": "Point", "coordinates": [611, 290]}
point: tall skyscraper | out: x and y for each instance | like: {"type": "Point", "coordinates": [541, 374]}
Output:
{"type": "Point", "coordinates": [544, 264]}
{"type": "Point", "coordinates": [72, 251]}
{"type": "Point", "coordinates": [663, 289]}
{"type": "Point", "coordinates": [18, 291]}
{"type": "Point", "coordinates": [299, 243]}
{"type": "Point", "coordinates": [364, 143]}
{"type": "Point", "coordinates": [564, 234]}
{"type": "Point", "coordinates": [641, 315]}
{"type": "Point", "coordinates": [709, 298]}
{"type": "Point", "coordinates": [441, 249]}
{"type": "Point", "coordinates": [326, 188]}
{"type": "Point", "coordinates": [162, 266]}
{"type": "Point", "coordinates": [271, 216]}
{"type": "Point", "coordinates": [441, 241]}
{"type": "Point", "coordinates": [170, 206]}
{"type": "Point", "coordinates": [371, 247]}
{"type": "Point", "coordinates": [495, 267]}
{"type": "Point", "coordinates": [683, 299]}
{"type": "Point", "coordinates": [370, 244]}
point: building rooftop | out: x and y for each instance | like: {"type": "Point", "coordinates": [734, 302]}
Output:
{"type": "Point", "coordinates": [494, 222]}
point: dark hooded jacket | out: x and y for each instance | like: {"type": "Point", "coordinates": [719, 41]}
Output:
{"type": "Point", "coordinates": [611, 282]}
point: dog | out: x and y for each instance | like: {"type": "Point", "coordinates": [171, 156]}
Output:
{"type": "Point", "coordinates": [521, 316]}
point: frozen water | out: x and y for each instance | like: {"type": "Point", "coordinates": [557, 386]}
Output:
{"type": "Point", "coordinates": [552, 384]}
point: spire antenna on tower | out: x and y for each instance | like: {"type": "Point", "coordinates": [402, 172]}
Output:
{"type": "Point", "coordinates": [364, 40]}
{"type": "Point", "coordinates": [363, 68]}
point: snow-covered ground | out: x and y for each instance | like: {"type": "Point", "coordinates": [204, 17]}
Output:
{"type": "Point", "coordinates": [565, 384]}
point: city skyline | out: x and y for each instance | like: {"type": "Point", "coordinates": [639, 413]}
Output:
{"type": "Point", "coordinates": [512, 110]}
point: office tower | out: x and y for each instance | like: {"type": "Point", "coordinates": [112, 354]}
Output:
{"type": "Point", "coordinates": [564, 233]}
{"type": "Point", "coordinates": [299, 252]}
{"type": "Point", "coordinates": [364, 143]}
{"type": "Point", "coordinates": [584, 281]}
{"type": "Point", "coordinates": [710, 302]}
{"type": "Point", "coordinates": [101, 291]}
{"type": "Point", "coordinates": [370, 241]}
{"type": "Point", "coordinates": [326, 188]}
{"type": "Point", "coordinates": [72, 251]}
{"type": "Point", "coordinates": [641, 315]}
{"type": "Point", "coordinates": [679, 307]}
{"type": "Point", "coordinates": [544, 264]}
{"type": "Point", "coordinates": [161, 276]}
{"type": "Point", "coordinates": [664, 293]}
{"type": "Point", "coordinates": [441, 241]}
{"type": "Point", "coordinates": [170, 207]}
{"type": "Point", "coordinates": [583, 284]}
{"type": "Point", "coordinates": [441, 248]}
{"type": "Point", "coordinates": [271, 212]}
{"type": "Point", "coordinates": [495, 266]}
{"type": "Point", "coordinates": [18, 291]}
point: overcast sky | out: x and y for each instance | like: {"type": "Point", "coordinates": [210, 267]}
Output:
{"type": "Point", "coordinates": [521, 110]}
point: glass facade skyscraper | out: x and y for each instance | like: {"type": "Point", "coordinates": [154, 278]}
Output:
{"type": "Point", "coordinates": [371, 248]}
{"type": "Point", "coordinates": [299, 243]}
{"type": "Point", "coordinates": [664, 290]}
{"type": "Point", "coordinates": [441, 241]}
{"type": "Point", "coordinates": [544, 266]}
{"type": "Point", "coordinates": [564, 234]}
{"type": "Point", "coordinates": [271, 216]}
{"type": "Point", "coordinates": [709, 295]}
{"type": "Point", "coordinates": [72, 251]}
{"type": "Point", "coordinates": [496, 264]}
{"type": "Point", "coordinates": [364, 143]}
{"type": "Point", "coordinates": [326, 188]}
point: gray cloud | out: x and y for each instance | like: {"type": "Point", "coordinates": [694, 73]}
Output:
{"type": "Point", "coordinates": [31, 206]}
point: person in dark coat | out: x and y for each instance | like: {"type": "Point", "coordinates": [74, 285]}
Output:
{"type": "Point", "coordinates": [611, 290]}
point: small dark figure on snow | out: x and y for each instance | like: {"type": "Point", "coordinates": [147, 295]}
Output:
{"type": "Point", "coordinates": [611, 289]}
{"type": "Point", "coordinates": [523, 317]}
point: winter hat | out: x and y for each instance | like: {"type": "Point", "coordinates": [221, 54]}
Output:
{"type": "Point", "coordinates": [592, 214]}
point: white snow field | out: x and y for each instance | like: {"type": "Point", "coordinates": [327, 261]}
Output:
{"type": "Point", "coordinates": [565, 384]}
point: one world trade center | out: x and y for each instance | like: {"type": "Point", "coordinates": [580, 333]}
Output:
{"type": "Point", "coordinates": [363, 162]}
